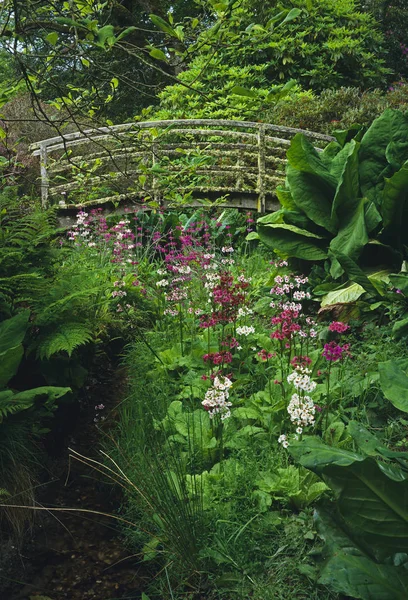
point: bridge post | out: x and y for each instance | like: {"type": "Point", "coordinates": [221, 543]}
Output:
{"type": "Point", "coordinates": [45, 182]}
{"type": "Point", "coordinates": [156, 196]}
{"type": "Point", "coordinates": [261, 168]}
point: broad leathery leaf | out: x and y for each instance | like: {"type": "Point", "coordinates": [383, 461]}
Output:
{"type": "Point", "coordinates": [303, 156]}
{"type": "Point", "coordinates": [347, 294]}
{"type": "Point", "coordinates": [9, 362]}
{"type": "Point", "coordinates": [394, 384]}
{"type": "Point", "coordinates": [355, 132]}
{"type": "Point", "coordinates": [253, 235]}
{"type": "Point", "coordinates": [349, 571]}
{"type": "Point", "coordinates": [163, 25]}
{"type": "Point", "coordinates": [292, 241]}
{"type": "Point", "coordinates": [352, 236]}
{"type": "Point", "coordinates": [370, 445]}
{"type": "Point", "coordinates": [400, 281]}
{"type": "Point", "coordinates": [356, 274]}
{"type": "Point", "coordinates": [313, 454]}
{"type": "Point", "coordinates": [337, 158]}
{"type": "Point", "coordinates": [241, 91]}
{"type": "Point", "coordinates": [394, 205]}
{"type": "Point", "coordinates": [12, 331]}
{"type": "Point", "coordinates": [372, 505]}
{"type": "Point", "coordinates": [346, 199]}
{"type": "Point", "coordinates": [400, 328]}
{"type": "Point", "coordinates": [372, 216]}
{"type": "Point", "coordinates": [313, 196]}
{"type": "Point", "coordinates": [285, 198]}
{"type": "Point", "coordinates": [390, 126]}
{"type": "Point", "coordinates": [47, 392]}
{"type": "Point", "coordinates": [396, 152]}
{"type": "Point", "coordinates": [275, 217]}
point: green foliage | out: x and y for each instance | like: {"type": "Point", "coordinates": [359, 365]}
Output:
{"type": "Point", "coordinates": [368, 531]}
{"type": "Point", "coordinates": [322, 45]}
{"type": "Point", "coordinates": [65, 338]}
{"type": "Point", "coordinates": [394, 383]}
{"type": "Point", "coordinates": [26, 254]}
{"type": "Point", "coordinates": [393, 21]}
{"type": "Point", "coordinates": [335, 109]}
{"type": "Point", "coordinates": [337, 200]}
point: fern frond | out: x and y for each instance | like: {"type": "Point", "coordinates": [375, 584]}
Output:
{"type": "Point", "coordinates": [66, 338]}
{"type": "Point", "coordinates": [9, 406]}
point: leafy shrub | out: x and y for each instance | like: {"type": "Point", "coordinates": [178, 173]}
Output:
{"type": "Point", "coordinates": [320, 44]}
{"type": "Point", "coordinates": [336, 202]}
{"type": "Point", "coordinates": [392, 18]}
{"type": "Point", "coordinates": [336, 109]}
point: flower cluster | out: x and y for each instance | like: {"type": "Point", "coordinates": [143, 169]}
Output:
{"type": "Point", "coordinates": [333, 352]}
{"type": "Point", "coordinates": [226, 297]}
{"type": "Point", "coordinates": [216, 398]}
{"type": "Point", "coordinates": [218, 358]}
{"type": "Point", "coordinates": [264, 355]}
{"type": "Point", "coordinates": [245, 330]}
{"type": "Point", "coordinates": [301, 410]}
{"type": "Point", "coordinates": [338, 327]}
{"type": "Point", "coordinates": [287, 325]}
{"type": "Point", "coordinates": [300, 379]}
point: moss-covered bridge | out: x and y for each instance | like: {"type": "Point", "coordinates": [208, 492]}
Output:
{"type": "Point", "coordinates": [184, 160]}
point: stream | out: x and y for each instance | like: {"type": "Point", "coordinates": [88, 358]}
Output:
{"type": "Point", "coordinates": [70, 555]}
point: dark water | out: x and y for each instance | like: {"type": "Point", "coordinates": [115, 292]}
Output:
{"type": "Point", "coordinates": [70, 555]}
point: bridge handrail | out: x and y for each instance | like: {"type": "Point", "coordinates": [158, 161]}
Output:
{"type": "Point", "coordinates": [109, 129]}
{"type": "Point", "coordinates": [260, 135]}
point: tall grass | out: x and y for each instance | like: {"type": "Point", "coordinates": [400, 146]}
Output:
{"type": "Point", "coordinates": [157, 467]}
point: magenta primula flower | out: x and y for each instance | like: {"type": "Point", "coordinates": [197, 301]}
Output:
{"type": "Point", "coordinates": [338, 327]}
{"type": "Point", "coordinates": [333, 351]}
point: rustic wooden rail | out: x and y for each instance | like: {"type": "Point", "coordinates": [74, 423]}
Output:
{"type": "Point", "coordinates": [241, 160]}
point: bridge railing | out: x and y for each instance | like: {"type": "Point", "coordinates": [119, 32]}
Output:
{"type": "Point", "coordinates": [241, 160]}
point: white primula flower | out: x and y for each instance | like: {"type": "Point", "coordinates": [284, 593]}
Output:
{"type": "Point", "coordinates": [245, 330]}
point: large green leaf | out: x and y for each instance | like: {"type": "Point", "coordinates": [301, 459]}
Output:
{"type": "Point", "coordinates": [371, 504]}
{"type": "Point", "coordinates": [344, 295]}
{"type": "Point", "coordinates": [292, 241]}
{"type": "Point", "coordinates": [47, 392]}
{"type": "Point", "coordinates": [285, 198]}
{"type": "Point", "coordinates": [346, 198]}
{"type": "Point", "coordinates": [11, 403]}
{"type": "Point", "coordinates": [303, 156]}
{"type": "Point", "coordinates": [356, 274]}
{"type": "Point", "coordinates": [400, 281]}
{"type": "Point", "coordinates": [391, 126]}
{"type": "Point", "coordinates": [12, 331]}
{"type": "Point", "coordinates": [394, 207]}
{"type": "Point", "coordinates": [313, 196]}
{"type": "Point", "coordinates": [350, 571]}
{"type": "Point", "coordinates": [400, 328]}
{"type": "Point", "coordinates": [352, 236]}
{"type": "Point", "coordinates": [314, 454]}
{"type": "Point", "coordinates": [394, 384]}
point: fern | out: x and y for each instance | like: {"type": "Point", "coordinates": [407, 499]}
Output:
{"type": "Point", "coordinates": [66, 338]}
{"type": "Point", "coordinates": [9, 406]}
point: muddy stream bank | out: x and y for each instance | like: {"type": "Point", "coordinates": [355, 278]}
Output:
{"type": "Point", "coordinates": [70, 555]}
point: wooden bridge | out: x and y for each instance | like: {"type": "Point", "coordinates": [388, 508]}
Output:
{"type": "Point", "coordinates": [184, 161]}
